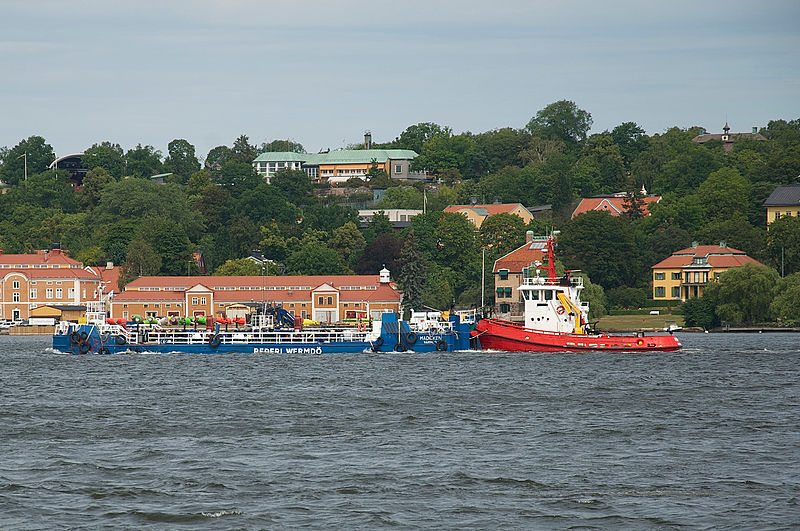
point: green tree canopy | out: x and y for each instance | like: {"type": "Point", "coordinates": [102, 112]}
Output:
{"type": "Point", "coordinates": [264, 203]}
{"type": "Point", "coordinates": [415, 136]}
{"type": "Point", "coordinates": [243, 152]}
{"type": "Point", "coordinates": [604, 246]}
{"type": "Point", "coordinates": [348, 242]}
{"type": "Point", "coordinates": [239, 267]}
{"type": "Point", "coordinates": [33, 153]}
{"type": "Point", "coordinates": [502, 233]}
{"type": "Point", "coordinates": [314, 259]}
{"type": "Point", "coordinates": [143, 161]}
{"type": "Point", "coordinates": [725, 194]}
{"type": "Point", "coordinates": [743, 294]}
{"type": "Point", "coordinates": [140, 260]}
{"type": "Point", "coordinates": [93, 183]}
{"type": "Point", "coordinates": [783, 244]}
{"type": "Point", "coordinates": [562, 121]}
{"type": "Point", "coordinates": [105, 155]}
{"type": "Point", "coordinates": [786, 304]}
{"type": "Point", "coordinates": [282, 145]}
{"type": "Point", "coordinates": [237, 178]}
{"type": "Point", "coordinates": [412, 272]}
{"type": "Point", "coordinates": [181, 159]}
{"type": "Point", "coordinates": [295, 185]}
{"type": "Point", "coordinates": [217, 158]}
{"type": "Point", "coordinates": [136, 199]}
{"type": "Point", "coordinates": [328, 217]}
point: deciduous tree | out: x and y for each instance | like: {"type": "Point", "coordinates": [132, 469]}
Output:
{"type": "Point", "coordinates": [743, 294]}
{"type": "Point", "coordinates": [563, 121]}
{"type": "Point", "coordinates": [32, 152]}
{"type": "Point", "coordinates": [783, 244]}
{"type": "Point", "coordinates": [181, 159]}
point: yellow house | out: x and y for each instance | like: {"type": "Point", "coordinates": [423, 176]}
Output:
{"type": "Point", "coordinates": [477, 214]}
{"type": "Point", "coordinates": [683, 275]}
{"type": "Point", "coordinates": [783, 201]}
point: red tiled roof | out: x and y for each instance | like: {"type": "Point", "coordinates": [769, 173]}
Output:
{"type": "Point", "coordinates": [732, 261]}
{"type": "Point", "coordinates": [54, 256]}
{"type": "Point", "coordinates": [520, 257]}
{"type": "Point", "coordinates": [715, 255]}
{"type": "Point", "coordinates": [613, 205]}
{"type": "Point", "coordinates": [110, 277]}
{"type": "Point", "coordinates": [306, 281]}
{"type": "Point", "coordinates": [67, 273]}
{"type": "Point", "coordinates": [167, 296]}
{"type": "Point", "coordinates": [384, 293]}
{"type": "Point", "coordinates": [490, 209]}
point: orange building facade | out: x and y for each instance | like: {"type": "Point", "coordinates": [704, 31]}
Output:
{"type": "Point", "coordinates": [28, 281]}
{"type": "Point", "coordinates": [324, 298]}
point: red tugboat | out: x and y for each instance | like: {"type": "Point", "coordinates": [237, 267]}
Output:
{"type": "Point", "coordinates": [555, 321]}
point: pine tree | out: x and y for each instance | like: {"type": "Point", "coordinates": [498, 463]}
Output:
{"type": "Point", "coordinates": [412, 272]}
{"type": "Point", "coordinates": [634, 205]}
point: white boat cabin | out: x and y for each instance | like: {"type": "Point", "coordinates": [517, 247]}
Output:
{"type": "Point", "coordinates": [554, 305]}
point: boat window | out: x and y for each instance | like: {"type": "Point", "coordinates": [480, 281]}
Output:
{"type": "Point", "coordinates": [548, 294]}
{"type": "Point", "coordinates": [534, 295]}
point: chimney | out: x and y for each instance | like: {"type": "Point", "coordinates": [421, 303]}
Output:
{"type": "Point", "coordinates": [109, 265]}
{"type": "Point", "coordinates": [755, 129]}
{"type": "Point", "coordinates": [723, 243]}
{"type": "Point", "coordinates": [694, 245]}
{"type": "Point", "coordinates": [367, 140]}
{"type": "Point", "coordinates": [529, 236]}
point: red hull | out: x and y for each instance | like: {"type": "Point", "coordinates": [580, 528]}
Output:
{"type": "Point", "coordinates": [505, 335]}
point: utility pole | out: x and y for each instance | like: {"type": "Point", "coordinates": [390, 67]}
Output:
{"type": "Point", "coordinates": [483, 276]}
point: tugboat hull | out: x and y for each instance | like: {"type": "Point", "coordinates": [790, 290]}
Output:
{"type": "Point", "coordinates": [496, 334]}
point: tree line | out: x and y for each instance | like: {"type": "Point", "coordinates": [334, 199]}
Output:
{"type": "Point", "coordinates": [219, 207]}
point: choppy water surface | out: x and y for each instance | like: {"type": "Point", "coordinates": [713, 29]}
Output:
{"type": "Point", "coordinates": [707, 437]}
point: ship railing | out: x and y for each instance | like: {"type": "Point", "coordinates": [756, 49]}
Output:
{"type": "Point", "coordinates": [543, 281]}
{"type": "Point", "coordinates": [234, 337]}
{"type": "Point", "coordinates": [468, 316]}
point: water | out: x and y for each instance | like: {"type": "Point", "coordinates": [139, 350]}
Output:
{"type": "Point", "coordinates": [707, 437]}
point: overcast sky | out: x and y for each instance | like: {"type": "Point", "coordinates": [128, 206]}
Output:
{"type": "Point", "coordinates": [81, 72]}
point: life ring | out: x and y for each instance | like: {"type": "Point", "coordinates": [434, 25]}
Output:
{"type": "Point", "coordinates": [399, 348]}
{"type": "Point", "coordinates": [85, 347]}
{"type": "Point", "coordinates": [560, 310]}
{"type": "Point", "coordinates": [120, 340]}
{"type": "Point", "coordinates": [379, 341]}
{"type": "Point", "coordinates": [103, 351]}
{"type": "Point", "coordinates": [214, 341]}
{"type": "Point", "coordinates": [75, 338]}
{"type": "Point", "coordinates": [441, 345]}
{"type": "Point", "coordinates": [411, 338]}
{"type": "Point", "coordinates": [362, 326]}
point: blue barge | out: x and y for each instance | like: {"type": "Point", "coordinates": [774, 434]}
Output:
{"type": "Point", "coordinates": [424, 333]}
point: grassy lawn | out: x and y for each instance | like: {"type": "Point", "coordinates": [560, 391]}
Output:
{"type": "Point", "coordinates": [635, 322]}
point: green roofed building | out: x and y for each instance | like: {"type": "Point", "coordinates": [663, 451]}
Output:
{"type": "Point", "coordinates": [338, 166]}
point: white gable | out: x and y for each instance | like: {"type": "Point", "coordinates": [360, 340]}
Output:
{"type": "Point", "coordinates": [199, 288]}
